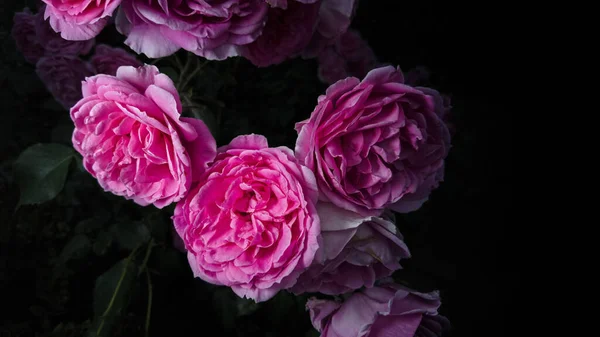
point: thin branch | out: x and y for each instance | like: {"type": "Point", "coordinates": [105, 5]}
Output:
{"type": "Point", "coordinates": [149, 310]}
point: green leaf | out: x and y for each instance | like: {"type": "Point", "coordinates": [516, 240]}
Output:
{"type": "Point", "coordinates": [131, 235]}
{"type": "Point", "coordinates": [203, 113]}
{"type": "Point", "coordinates": [41, 171]}
{"type": "Point", "coordinates": [78, 247]}
{"type": "Point", "coordinates": [103, 242]}
{"type": "Point", "coordinates": [158, 227]}
{"type": "Point", "coordinates": [91, 225]}
{"type": "Point", "coordinates": [224, 301]}
{"type": "Point", "coordinates": [171, 72]}
{"type": "Point", "coordinates": [111, 295]}
{"type": "Point", "coordinates": [170, 262]}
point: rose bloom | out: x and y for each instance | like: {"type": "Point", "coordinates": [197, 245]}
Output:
{"type": "Point", "coordinates": [356, 251]}
{"type": "Point", "coordinates": [23, 32]}
{"type": "Point", "coordinates": [212, 29]}
{"type": "Point", "coordinates": [374, 143]}
{"type": "Point", "coordinates": [350, 55]}
{"type": "Point", "coordinates": [106, 59]}
{"type": "Point", "coordinates": [286, 34]}
{"type": "Point", "coordinates": [54, 44]}
{"type": "Point", "coordinates": [251, 224]}
{"type": "Point", "coordinates": [382, 311]}
{"type": "Point", "coordinates": [79, 19]}
{"type": "Point", "coordinates": [62, 76]}
{"type": "Point", "coordinates": [335, 17]}
{"type": "Point", "coordinates": [133, 141]}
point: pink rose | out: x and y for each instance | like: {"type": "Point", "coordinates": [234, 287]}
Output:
{"type": "Point", "coordinates": [387, 310]}
{"type": "Point", "coordinates": [251, 224]}
{"type": "Point", "coordinates": [79, 19]}
{"type": "Point", "coordinates": [212, 29]}
{"type": "Point", "coordinates": [374, 142]}
{"type": "Point", "coordinates": [335, 17]}
{"type": "Point", "coordinates": [287, 32]}
{"type": "Point", "coordinates": [106, 59]}
{"type": "Point", "coordinates": [355, 252]}
{"type": "Point", "coordinates": [62, 75]}
{"type": "Point", "coordinates": [350, 55]}
{"type": "Point", "coordinates": [23, 32]}
{"type": "Point", "coordinates": [133, 141]}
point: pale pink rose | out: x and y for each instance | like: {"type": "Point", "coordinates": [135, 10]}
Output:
{"type": "Point", "coordinates": [107, 59]}
{"type": "Point", "coordinates": [335, 17]}
{"type": "Point", "coordinates": [382, 311]}
{"type": "Point", "coordinates": [23, 32]}
{"type": "Point", "coordinates": [62, 75]}
{"type": "Point", "coordinates": [355, 252]}
{"type": "Point", "coordinates": [79, 19]}
{"type": "Point", "coordinates": [286, 34]}
{"type": "Point", "coordinates": [373, 143]}
{"type": "Point", "coordinates": [349, 55]}
{"type": "Point", "coordinates": [211, 29]}
{"type": "Point", "coordinates": [133, 140]}
{"type": "Point", "coordinates": [251, 224]}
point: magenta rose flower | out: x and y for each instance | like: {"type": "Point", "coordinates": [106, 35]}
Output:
{"type": "Point", "coordinates": [106, 59]}
{"type": "Point", "coordinates": [335, 17]}
{"type": "Point", "coordinates": [355, 252]}
{"type": "Point", "coordinates": [133, 141]}
{"type": "Point", "coordinates": [79, 19]}
{"type": "Point", "coordinates": [62, 76]}
{"type": "Point", "coordinates": [23, 32]}
{"type": "Point", "coordinates": [251, 224]}
{"type": "Point", "coordinates": [212, 29]}
{"type": "Point", "coordinates": [286, 34]}
{"type": "Point", "coordinates": [373, 143]}
{"type": "Point", "coordinates": [349, 55]}
{"type": "Point", "coordinates": [382, 311]}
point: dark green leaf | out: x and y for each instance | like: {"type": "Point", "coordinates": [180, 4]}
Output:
{"type": "Point", "coordinates": [111, 296]}
{"type": "Point", "coordinates": [203, 113]}
{"type": "Point", "coordinates": [246, 306]}
{"type": "Point", "coordinates": [92, 224]}
{"type": "Point", "coordinates": [224, 301]}
{"type": "Point", "coordinates": [130, 235]}
{"type": "Point", "coordinates": [170, 262]}
{"type": "Point", "coordinates": [78, 247]}
{"type": "Point", "coordinates": [103, 242]}
{"type": "Point", "coordinates": [41, 171]}
{"type": "Point", "coordinates": [157, 225]}
{"type": "Point", "coordinates": [172, 73]}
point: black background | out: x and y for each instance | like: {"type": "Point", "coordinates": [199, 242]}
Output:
{"type": "Point", "coordinates": [463, 45]}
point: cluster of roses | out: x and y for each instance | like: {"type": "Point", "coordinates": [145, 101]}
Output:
{"type": "Point", "coordinates": [266, 32]}
{"type": "Point", "coordinates": [255, 218]}
{"type": "Point", "coordinates": [261, 219]}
